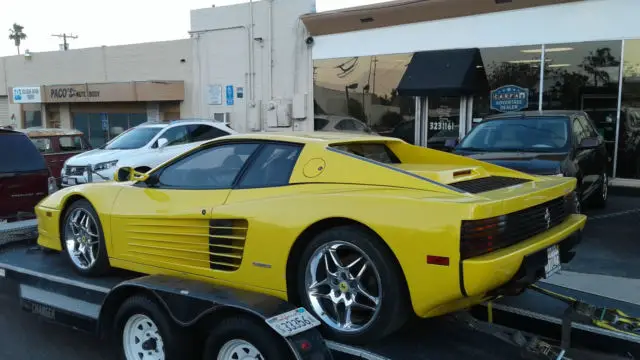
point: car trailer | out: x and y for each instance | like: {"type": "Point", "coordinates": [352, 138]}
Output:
{"type": "Point", "coordinates": [204, 321]}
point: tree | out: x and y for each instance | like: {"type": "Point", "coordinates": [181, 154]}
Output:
{"type": "Point", "coordinates": [594, 63]}
{"type": "Point", "coordinates": [17, 35]}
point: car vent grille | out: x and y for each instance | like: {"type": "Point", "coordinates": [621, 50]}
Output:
{"type": "Point", "coordinates": [226, 243]}
{"type": "Point", "coordinates": [479, 237]}
{"type": "Point", "coordinates": [476, 186]}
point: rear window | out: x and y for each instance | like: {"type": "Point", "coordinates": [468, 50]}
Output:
{"type": "Point", "coordinates": [319, 124]}
{"type": "Point", "coordinates": [25, 157]}
{"type": "Point", "coordinates": [70, 143]}
{"type": "Point", "coordinates": [376, 151]}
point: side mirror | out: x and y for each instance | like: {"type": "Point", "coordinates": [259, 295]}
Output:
{"type": "Point", "coordinates": [124, 174]}
{"type": "Point", "coordinates": [127, 173]}
{"type": "Point", "coordinates": [162, 142]}
{"type": "Point", "coordinates": [589, 143]}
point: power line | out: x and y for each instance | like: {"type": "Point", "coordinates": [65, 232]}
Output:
{"type": "Point", "coordinates": [64, 37]}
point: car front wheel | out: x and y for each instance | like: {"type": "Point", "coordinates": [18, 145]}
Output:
{"type": "Point", "coordinates": [350, 281]}
{"type": "Point", "coordinates": [83, 239]}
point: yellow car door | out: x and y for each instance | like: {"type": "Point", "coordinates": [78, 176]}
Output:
{"type": "Point", "coordinates": [166, 221]}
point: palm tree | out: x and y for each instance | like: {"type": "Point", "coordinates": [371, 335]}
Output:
{"type": "Point", "coordinates": [17, 35]}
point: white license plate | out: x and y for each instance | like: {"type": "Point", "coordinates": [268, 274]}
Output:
{"type": "Point", "coordinates": [293, 322]}
{"type": "Point", "coordinates": [68, 181]}
{"type": "Point", "coordinates": [553, 261]}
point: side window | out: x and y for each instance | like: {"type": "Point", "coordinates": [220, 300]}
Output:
{"type": "Point", "coordinates": [319, 124]}
{"type": "Point", "coordinates": [578, 131]}
{"type": "Point", "coordinates": [212, 168]}
{"type": "Point", "coordinates": [347, 125]}
{"type": "Point", "coordinates": [176, 136]}
{"type": "Point", "coordinates": [272, 167]}
{"type": "Point", "coordinates": [204, 132]}
{"type": "Point", "coordinates": [43, 145]}
{"type": "Point", "coordinates": [70, 143]}
{"type": "Point", "coordinates": [589, 131]}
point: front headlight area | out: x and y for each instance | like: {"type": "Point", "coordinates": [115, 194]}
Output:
{"type": "Point", "coordinates": [105, 165]}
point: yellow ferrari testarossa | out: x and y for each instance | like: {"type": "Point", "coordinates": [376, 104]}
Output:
{"type": "Point", "coordinates": [360, 230]}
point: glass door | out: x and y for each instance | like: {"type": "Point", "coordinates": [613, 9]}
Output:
{"type": "Point", "coordinates": [443, 120]}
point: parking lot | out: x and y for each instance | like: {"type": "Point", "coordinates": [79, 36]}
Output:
{"type": "Point", "coordinates": [610, 248]}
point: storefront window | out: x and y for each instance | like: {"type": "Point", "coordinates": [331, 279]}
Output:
{"type": "Point", "coordinates": [364, 89]}
{"type": "Point", "coordinates": [92, 125]}
{"type": "Point", "coordinates": [32, 119]}
{"type": "Point", "coordinates": [513, 74]}
{"type": "Point", "coordinates": [584, 76]}
{"type": "Point", "coordinates": [628, 162]}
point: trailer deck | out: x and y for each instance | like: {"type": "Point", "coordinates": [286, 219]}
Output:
{"type": "Point", "coordinates": [47, 286]}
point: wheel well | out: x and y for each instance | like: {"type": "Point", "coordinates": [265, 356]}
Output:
{"type": "Point", "coordinates": [315, 229]}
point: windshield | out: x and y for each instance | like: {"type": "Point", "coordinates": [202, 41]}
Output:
{"type": "Point", "coordinates": [532, 134]}
{"type": "Point", "coordinates": [133, 139]}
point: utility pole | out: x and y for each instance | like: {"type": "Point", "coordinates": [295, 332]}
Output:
{"type": "Point", "coordinates": [64, 37]}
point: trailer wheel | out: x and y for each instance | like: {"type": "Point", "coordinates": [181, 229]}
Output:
{"type": "Point", "coordinates": [144, 331]}
{"type": "Point", "coordinates": [242, 337]}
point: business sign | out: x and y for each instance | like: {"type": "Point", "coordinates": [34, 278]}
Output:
{"type": "Point", "coordinates": [229, 94]}
{"type": "Point", "coordinates": [509, 98]}
{"type": "Point", "coordinates": [27, 95]}
{"type": "Point", "coordinates": [71, 92]}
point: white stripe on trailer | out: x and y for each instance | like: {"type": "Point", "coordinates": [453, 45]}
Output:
{"type": "Point", "coordinates": [355, 351]}
{"type": "Point", "coordinates": [60, 302]}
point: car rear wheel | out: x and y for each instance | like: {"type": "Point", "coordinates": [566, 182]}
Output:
{"type": "Point", "coordinates": [351, 282]}
{"type": "Point", "coordinates": [83, 239]}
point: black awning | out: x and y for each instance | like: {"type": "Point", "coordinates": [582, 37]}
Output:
{"type": "Point", "coordinates": [457, 72]}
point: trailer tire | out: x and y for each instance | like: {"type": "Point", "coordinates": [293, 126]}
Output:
{"type": "Point", "coordinates": [142, 326]}
{"type": "Point", "coordinates": [242, 334]}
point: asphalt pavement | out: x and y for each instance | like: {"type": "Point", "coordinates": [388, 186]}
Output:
{"type": "Point", "coordinates": [611, 247]}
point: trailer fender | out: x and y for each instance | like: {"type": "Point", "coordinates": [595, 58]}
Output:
{"type": "Point", "coordinates": [187, 302]}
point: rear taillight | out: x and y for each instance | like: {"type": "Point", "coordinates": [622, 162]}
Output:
{"type": "Point", "coordinates": [52, 185]}
{"type": "Point", "coordinates": [478, 237]}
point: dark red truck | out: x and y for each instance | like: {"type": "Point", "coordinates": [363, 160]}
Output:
{"type": "Point", "coordinates": [25, 178]}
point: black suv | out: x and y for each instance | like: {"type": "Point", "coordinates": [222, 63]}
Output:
{"type": "Point", "coordinates": [25, 178]}
{"type": "Point", "coordinates": [557, 143]}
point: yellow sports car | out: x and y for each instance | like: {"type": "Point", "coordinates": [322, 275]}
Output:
{"type": "Point", "coordinates": [361, 230]}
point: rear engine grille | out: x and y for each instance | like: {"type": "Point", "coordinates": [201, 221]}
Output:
{"type": "Point", "coordinates": [480, 237]}
{"type": "Point", "coordinates": [226, 243]}
{"type": "Point", "coordinates": [476, 186]}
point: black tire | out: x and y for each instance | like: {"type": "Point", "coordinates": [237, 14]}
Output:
{"type": "Point", "coordinates": [601, 195]}
{"type": "Point", "coordinates": [395, 306]}
{"type": "Point", "coordinates": [101, 266]}
{"type": "Point", "coordinates": [176, 340]}
{"type": "Point", "coordinates": [242, 327]}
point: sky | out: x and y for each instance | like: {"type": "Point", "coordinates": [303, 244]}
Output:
{"type": "Point", "coordinates": [113, 22]}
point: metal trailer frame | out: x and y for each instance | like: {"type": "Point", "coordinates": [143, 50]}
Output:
{"type": "Point", "coordinates": [527, 326]}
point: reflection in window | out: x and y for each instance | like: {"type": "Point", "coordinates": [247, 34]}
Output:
{"type": "Point", "coordinates": [363, 88]}
{"type": "Point", "coordinates": [628, 162]}
{"type": "Point", "coordinates": [91, 125]}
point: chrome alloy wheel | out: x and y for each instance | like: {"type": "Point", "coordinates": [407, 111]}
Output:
{"type": "Point", "coordinates": [343, 286]}
{"type": "Point", "coordinates": [81, 238]}
{"type": "Point", "coordinates": [141, 339]}
{"type": "Point", "coordinates": [238, 349]}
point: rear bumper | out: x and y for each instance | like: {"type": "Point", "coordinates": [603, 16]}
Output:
{"type": "Point", "coordinates": [520, 264]}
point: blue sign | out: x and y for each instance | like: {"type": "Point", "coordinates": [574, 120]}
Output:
{"type": "Point", "coordinates": [509, 98]}
{"type": "Point", "coordinates": [105, 121]}
{"type": "Point", "coordinates": [229, 94]}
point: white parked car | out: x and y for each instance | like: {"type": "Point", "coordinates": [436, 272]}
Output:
{"type": "Point", "coordinates": [340, 123]}
{"type": "Point", "coordinates": [142, 147]}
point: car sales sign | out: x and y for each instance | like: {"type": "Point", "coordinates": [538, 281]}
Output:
{"type": "Point", "coordinates": [509, 98]}
{"type": "Point", "coordinates": [27, 95]}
